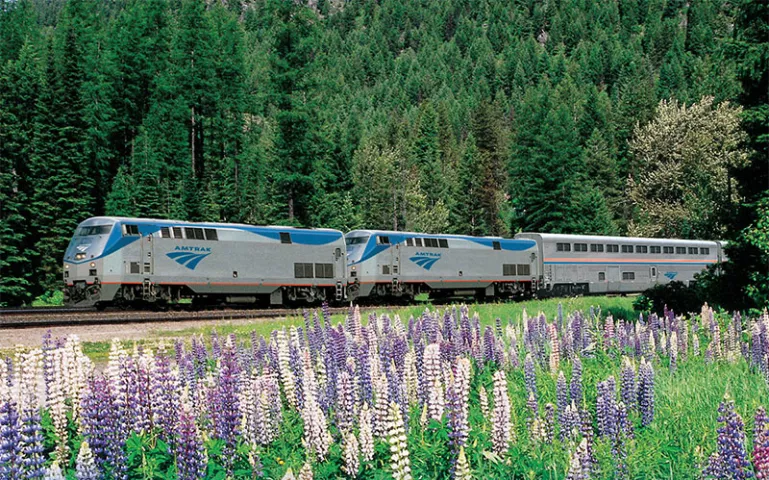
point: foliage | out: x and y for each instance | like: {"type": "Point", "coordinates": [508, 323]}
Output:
{"type": "Point", "coordinates": [681, 185]}
{"type": "Point", "coordinates": [675, 296]}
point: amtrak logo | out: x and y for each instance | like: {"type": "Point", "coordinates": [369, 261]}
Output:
{"type": "Point", "coordinates": [426, 260]}
{"type": "Point", "coordinates": [189, 256]}
{"type": "Point", "coordinates": [671, 275]}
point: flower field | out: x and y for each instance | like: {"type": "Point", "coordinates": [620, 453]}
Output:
{"type": "Point", "coordinates": [443, 395]}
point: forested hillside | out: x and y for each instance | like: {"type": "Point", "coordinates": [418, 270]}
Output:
{"type": "Point", "coordinates": [484, 117]}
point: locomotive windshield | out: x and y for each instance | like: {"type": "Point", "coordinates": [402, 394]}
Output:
{"type": "Point", "coordinates": [94, 230]}
{"type": "Point", "coordinates": [356, 240]}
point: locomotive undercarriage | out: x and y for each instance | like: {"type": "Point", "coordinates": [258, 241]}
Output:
{"type": "Point", "coordinates": [406, 292]}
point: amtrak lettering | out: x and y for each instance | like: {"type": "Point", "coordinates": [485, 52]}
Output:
{"type": "Point", "coordinates": [186, 248]}
{"type": "Point", "coordinates": [425, 260]}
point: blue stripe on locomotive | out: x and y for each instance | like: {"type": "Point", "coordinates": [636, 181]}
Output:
{"type": "Point", "coordinates": [372, 249]}
{"type": "Point", "coordinates": [117, 241]}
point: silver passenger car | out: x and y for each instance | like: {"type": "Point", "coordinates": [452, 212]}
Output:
{"type": "Point", "coordinates": [131, 260]}
{"type": "Point", "coordinates": [581, 264]}
{"type": "Point", "coordinates": [405, 264]}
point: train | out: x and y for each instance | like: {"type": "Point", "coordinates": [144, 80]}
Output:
{"type": "Point", "coordinates": [124, 262]}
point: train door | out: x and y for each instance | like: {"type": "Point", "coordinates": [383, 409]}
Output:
{"type": "Point", "coordinates": [147, 255]}
{"type": "Point", "coordinates": [653, 275]}
{"type": "Point", "coordinates": [612, 278]}
{"type": "Point", "coordinates": [340, 271]}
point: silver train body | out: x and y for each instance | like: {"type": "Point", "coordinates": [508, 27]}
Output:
{"type": "Point", "coordinates": [402, 264]}
{"type": "Point", "coordinates": [127, 261]}
{"type": "Point", "coordinates": [589, 264]}
{"type": "Point", "coordinates": [114, 260]}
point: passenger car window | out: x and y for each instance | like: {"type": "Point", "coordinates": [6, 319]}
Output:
{"type": "Point", "coordinates": [382, 240]}
{"type": "Point", "coordinates": [129, 230]}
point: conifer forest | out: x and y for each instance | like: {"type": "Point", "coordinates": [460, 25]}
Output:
{"type": "Point", "coordinates": [631, 117]}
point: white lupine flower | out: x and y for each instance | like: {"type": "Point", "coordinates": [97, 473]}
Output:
{"type": "Point", "coordinates": [350, 455]}
{"type": "Point", "coordinates": [396, 437]}
{"type": "Point", "coordinates": [484, 401]}
{"type": "Point", "coordinates": [286, 375]}
{"type": "Point", "coordinates": [306, 472]}
{"type": "Point", "coordinates": [366, 436]}
{"type": "Point", "coordinates": [381, 404]}
{"type": "Point", "coordinates": [462, 470]}
{"type": "Point", "coordinates": [436, 403]}
{"type": "Point", "coordinates": [316, 438]}
{"type": "Point", "coordinates": [500, 416]}
{"type": "Point", "coordinates": [53, 472]}
{"type": "Point", "coordinates": [410, 377]}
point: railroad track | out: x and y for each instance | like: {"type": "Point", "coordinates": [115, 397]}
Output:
{"type": "Point", "coordinates": [52, 317]}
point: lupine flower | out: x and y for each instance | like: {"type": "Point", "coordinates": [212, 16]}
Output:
{"type": "Point", "coordinates": [575, 387]}
{"type": "Point", "coordinates": [484, 401]}
{"type": "Point", "coordinates": [86, 466]}
{"type": "Point", "coordinates": [606, 408]}
{"type": "Point", "coordinates": [531, 402]}
{"type": "Point", "coordinates": [530, 375]}
{"type": "Point", "coordinates": [579, 463]}
{"type": "Point", "coordinates": [350, 455]}
{"type": "Point", "coordinates": [555, 352]}
{"type": "Point", "coordinates": [316, 438]}
{"type": "Point", "coordinates": [435, 398]}
{"type": "Point", "coordinates": [731, 458]}
{"type": "Point", "coordinates": [365, 435]}
{"type": "Point", "coordinates": [548, 423]}
{"type": "Point", "coordinates": [190, 453]}
{"type": "Point", "coordinates": [381, 404]}
{"type": "Point", "coordinates": [289, 475]}
{"type": "Point", "coordinates": [102, 428]}
{"type": "Point", "coordinates": [286, 374]}
{"type": "Point", "coordinates": [459, 393]}
{"type": "Point", "coordinates": [501, 431]}
{"type": "Point", "coordinates": [562, 396]}
{"type": "Point", "coordinates": [32, 443]}
{"type": "Point", "coordinates": [628, 387]}
{"type": "Point", "coordinates": [646, 392]}
{"type": "Point", "coordinates": [345, 412]}
{"type": "Point", "coordinates": [54, 472]}
{"type": "Point", "coordinates": [165, 394]}
{"type": "Point", "coordinates": [305, 473]}
{"type": "Point", "coordinates": [588, 461]}
{"type": "Point", "coordinates": [462, 470]}
{"type": "Point", "coordinates": [10, 441]}
{"type": "Point", "coordinates": [673, 351]}
{"type": "Point", "coordinates": [571, 422]}
{"type": "Point", "coordinates": [396, 437]}
{"type": "Point", "coordinates": [761, 444]}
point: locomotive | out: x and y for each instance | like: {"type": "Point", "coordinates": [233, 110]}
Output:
{"type": "Point", "coordinates": [134, 261]}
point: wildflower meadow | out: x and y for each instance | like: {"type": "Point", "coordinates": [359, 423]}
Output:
{"type": "Point", "coordinates": [443, 395]}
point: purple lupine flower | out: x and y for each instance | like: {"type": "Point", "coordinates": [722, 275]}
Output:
{"type": "Point", "coordinates": [488, 345]}
{"type": "Point", "coordinates": [561, 396]}
{"type": "Point", "coordinates": [731, 458]}
{"type": "Point", "coordinates": [530, 375]}
{"type": "Point", "coordinates": [165, 395]}
{"type": "Point", "coordinates": [10, 442]}
{"type": "Point", "coordinates": [761, 444]}
{"type": "Point", "coordinates": [531, 403]}
{"type": "Point", "coordinates": [624, 425]}
{"type": "Point", "coordinates": [226, 408]}
{"type": "Point", "coordinates": [646, 392]}
{"type": "Point", "coordinates": [501, 428]}
{"type": "Point", "coordinates": [32, 443]}
{"type": "Point", "coordinates": [85, 466]}
{"type": "Point", "coordinates": [549, 423]}
{"type": "Point", "coordinates": [102, 427]}
{"type": "Point", "coordinates": [628, 387]}
{"type": "Point", "coordinates": [606, 408]}
{"type": "Point", "coordinates": [575, 387]}
{"type": "Point", "coordinates": [190, 452]}
{"type": "Point", "coordinates": [589, 461]}
{"type": "Point", "coordinates": [457, 395]}
{"type": "Point", "coordinates": [571, 423]}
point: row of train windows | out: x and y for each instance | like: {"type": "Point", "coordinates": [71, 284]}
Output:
{"type": "Point", "coordinates": [510, 269]}
{"type": "Point", "coordinates": [598, 247]}
{"type": "Point", "coordinates": [189, 233]}
{"type": "Point", "coordinates": [321, 270]}
{"type": "Point", "coordinates": [416, 242]}
{"type": "Point", "coordinates": [625, 276]}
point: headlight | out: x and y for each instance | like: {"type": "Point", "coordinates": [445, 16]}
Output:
{"type": "Point", "coordinates": [79, 256]}
{"type": "Point", "coordinates": [66, 266]}
{"type": "Point", "coordinates": [352, 268]}
{"type": "Point", "coordinates": [93, 264]}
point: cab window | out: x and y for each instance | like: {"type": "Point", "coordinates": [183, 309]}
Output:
{"type": "Point", "coordinates": [355, 240]}
{"type": "Point", "coordinates": [94, 230]}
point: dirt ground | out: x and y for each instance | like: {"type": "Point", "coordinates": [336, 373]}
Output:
{"type": "Point", "coordinates": [32, 337]}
